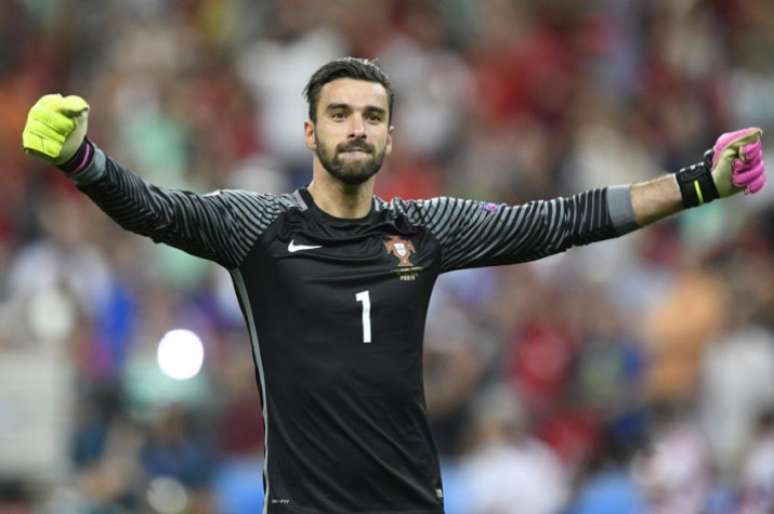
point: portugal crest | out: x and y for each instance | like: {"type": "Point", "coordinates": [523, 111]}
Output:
{"type": "Point", "coordinates": [400, 248]}
{"type": "Point", "coordinates": [403, 250]}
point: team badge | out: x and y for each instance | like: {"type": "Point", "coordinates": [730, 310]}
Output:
{"type": "Point", "coordinates": [403, 250]}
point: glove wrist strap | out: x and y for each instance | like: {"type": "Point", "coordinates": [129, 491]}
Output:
{"type": "Point", "coordinates": [697, 186]}
{"type": "Point", "coordinates": [81, 160]}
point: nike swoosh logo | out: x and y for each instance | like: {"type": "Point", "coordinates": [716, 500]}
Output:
{"type": "Point", "coordinates": [293, 247]}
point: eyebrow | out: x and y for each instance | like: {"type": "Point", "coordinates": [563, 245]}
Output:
{"type": "Point", "coordinates": [375, 110]}
{"type": "Point", "coordinates": [368, 108]}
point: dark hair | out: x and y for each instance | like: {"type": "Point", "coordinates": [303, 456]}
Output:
{"type": "Point", "coordinates": [346, 67]}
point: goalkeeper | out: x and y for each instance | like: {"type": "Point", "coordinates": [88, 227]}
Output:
{"type": "Point", "coordinates": [334, 282]}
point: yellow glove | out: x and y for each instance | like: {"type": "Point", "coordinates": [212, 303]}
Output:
{"type": "Point", "coordinates": [55, 128]}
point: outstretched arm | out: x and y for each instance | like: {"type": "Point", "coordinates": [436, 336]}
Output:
{"type": "Point", "coordinates": [222, 226]}
{"type": "Point", "coordinates": [483, 234]}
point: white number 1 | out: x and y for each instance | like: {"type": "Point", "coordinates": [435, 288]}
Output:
{"type": "Point", "coordinates": [364, 297]}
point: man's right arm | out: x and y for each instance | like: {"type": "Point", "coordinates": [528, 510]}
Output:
{"type": "Point", "coordinates": [220, 226]}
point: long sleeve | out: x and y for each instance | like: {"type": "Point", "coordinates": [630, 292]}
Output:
{"type": "Point", "coordinates": [221, 226]}
{"type": "Point", "coordinates": [474, 233]}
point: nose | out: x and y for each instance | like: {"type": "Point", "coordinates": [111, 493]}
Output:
{"type": "Point", "coordinates": [356, 127]}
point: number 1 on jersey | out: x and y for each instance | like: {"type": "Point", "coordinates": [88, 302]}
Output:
{"type": "Point", "coordinates": [365, 298]}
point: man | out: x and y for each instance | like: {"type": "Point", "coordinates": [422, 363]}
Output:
{"type": "Point", "coordinates": [334, 283]}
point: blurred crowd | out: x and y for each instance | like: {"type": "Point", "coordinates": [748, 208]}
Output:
{"type": "Point", "coordinates": [630, 376]}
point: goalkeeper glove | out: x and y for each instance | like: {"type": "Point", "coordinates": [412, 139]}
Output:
{"type": "Point", "coordinates": [55, 128]}
{"type": "Point", "coordinates": [734, 164]}
{"type": "Point", "coordinates": [737, 162]}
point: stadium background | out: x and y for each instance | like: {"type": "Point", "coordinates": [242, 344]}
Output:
{"type": "Point", "coordinates": [632, 376]}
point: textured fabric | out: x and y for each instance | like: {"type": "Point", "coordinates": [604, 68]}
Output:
{"type": "Point", "coordinates": [473, 233]}
{"type": "Point", "coordinates": [220, 226]}
{"type": "Point", "coordinates": [335, 312]}
{"type": "Point", "coordinates": [223, 225]}
{"type": "Point", "coordinates": [80, 161]}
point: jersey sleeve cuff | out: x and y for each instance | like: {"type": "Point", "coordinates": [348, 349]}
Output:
{"type": "Point", "coordinates": [619, 206]}
{"type": "Point", "coordinates": [87, 166]}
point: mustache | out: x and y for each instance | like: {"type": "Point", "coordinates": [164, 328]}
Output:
{"type": "Point", "coordinates": [357, 145]}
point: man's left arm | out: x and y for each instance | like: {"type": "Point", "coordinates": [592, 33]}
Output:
{"type": "Point", "coordinates": [473, 233]}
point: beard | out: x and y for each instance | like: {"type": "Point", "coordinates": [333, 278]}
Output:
{"type": "Point", "coordinates": [351, 172]}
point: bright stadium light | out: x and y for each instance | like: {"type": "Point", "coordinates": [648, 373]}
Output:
{"type": "Point", "coordinates": [167, 495]}
{"type": "Point", "coordinates": [180, 354]}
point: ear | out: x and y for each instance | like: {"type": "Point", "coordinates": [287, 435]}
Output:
{"type": "Point", "coordinates": [309, 138]}
{"type": "Point", "coordinates": [388, 145]}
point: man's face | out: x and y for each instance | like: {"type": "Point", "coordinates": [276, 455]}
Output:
{"type": "Point", "coordinates": [352, 135]}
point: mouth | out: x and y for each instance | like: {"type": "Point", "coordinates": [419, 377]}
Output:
{"type": "Point", "coordinates": [355, 152]}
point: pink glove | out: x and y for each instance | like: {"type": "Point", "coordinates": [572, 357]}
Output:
{"type": "Point", "coordinates": [747, 169]}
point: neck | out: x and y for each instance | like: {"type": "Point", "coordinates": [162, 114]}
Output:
{"type": "Point", "coordinates": [338, 199]}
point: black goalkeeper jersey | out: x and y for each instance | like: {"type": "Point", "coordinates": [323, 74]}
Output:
{"type": "Point", "coordinates": [335, 311]}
